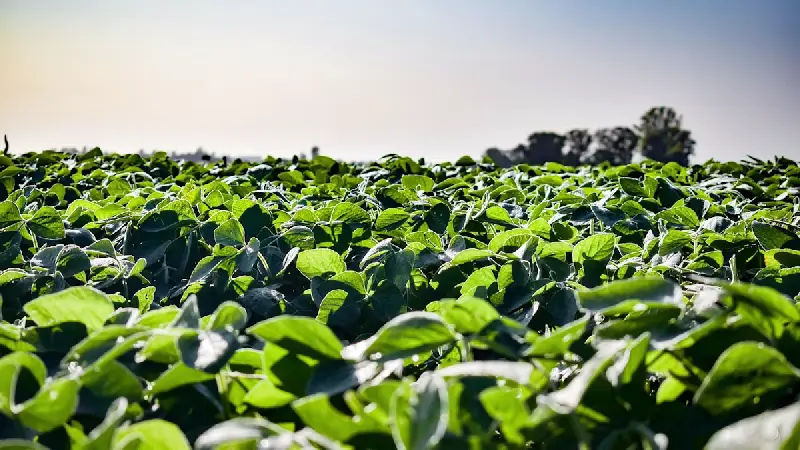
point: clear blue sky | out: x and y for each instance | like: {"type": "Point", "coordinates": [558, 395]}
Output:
{"type": "Point", "coordinates": [362, 78]}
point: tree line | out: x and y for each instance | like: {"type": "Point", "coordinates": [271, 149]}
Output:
{"type": "Point", "coordinates": [659, 136]}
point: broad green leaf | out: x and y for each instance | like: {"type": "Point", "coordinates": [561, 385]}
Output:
{"type": "Point", "coordinates": [154, 434]}
{"type": "Point", "coordinates": [47, 223]}
{"type": "Point", "coordinates": [9, 214]}
{"type": "Point", "coordinates": [646, 289]}
{"type": "Point", "coordinates": [680, 215]}
{"type": "Point", "coordinates": [468, 314]}
{"type": "Point", "coordinates": [10, 366]}
{"type": "Point", "coordinates": [52, 406]}
{"type": "Point", "coordinates": [319, 262]}
{"type": "Point", "coordinates": [782, 257]}
{"type": "Point", "coordinates": [470, 255]}
{"type": "Point", "coordinates": [510, 240]}
{"type": "Point", "coordinates": [302, 335]}
{"type": "Point", "coordinates": [743, 372]}
{"type": "Point", "coordinates": [176, 376]}
{"type": "Point", "coordinates": [764, 307]}
{"type": "Point", "coordinates": [770, 237]}
{"type": "Point", "coordinates": [418, 182]}
{"type": "Point", "coordinates": [205, 267]}
{"type": "Point", "coordinates": [674, 241]}
{"type": "Point", "coordinates": [517, 371]}
{"type": "Point", "coordinates": [778, 429]}
{"type": "Point", "coordinates": [317, 412]}
{"type": "Point", "coordinates": [597, 247]}
{"type": "Point", "coordinates": [245, 431]}
{"type": "Point", "coordinates": [639, 188]}
{"type": "Point", "coordinates": [102, 436]}
{"type": "Point", "coordinates": [335, 377]}
{"type": "Point", "coordinates": [206, 350]}
{"type": "Point", "coordinates": [507, 406]}
{"type": "Point", "coordinates": [82, 304]}
{"type": "Point", "coordinates": [403, 336]}
{"type": "Point", "coordinates": [72, 261]}
{"type": "Point", "coordinates": [230, 232]}
{"type": "Point", "coordinates": [567, 400]}
{"type": "Point", "coordinates": [266, 395]}
{"type": "Point", "coordinates": [419, 414]}
{"type": "Point", "coordinates": [347, 212]}
{"type": "Point", "coordinates": [391, 219]}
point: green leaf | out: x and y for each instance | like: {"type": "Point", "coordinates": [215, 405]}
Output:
{"type": "Point", "coordinates": [335, 377]}
{"type": "Point", "coordinates": [778, 429]}
{"type": "Point", "coordinates": [102, 436]}
{"type": "Point", "coordinates": [117, 381]}
{"type": "Point", "coordinates": [681, 215]}
{"type": "Point", "coordinates": [638, 188]}
{"type": "Point", "coordinates": [47, 223]}
{"type": "Point", "coordinates": [169, 216]}
{"type": "Point", "coordinates": [154, 434]}
{"type": "Point", "coordinates": [743, 372]}
{"type": "Point", "coordinates": [507, 406]}
{"type": "Point", "coordinates": [646, 289]}
{"type": "Point", "coordinates": [52, 406]}
{"type": "Point", "coordinates": [418, 416]}
{"type": "Point", "coordinates": [317, 412]}
{"type": "Point", "coordinates": [266, 395]}
{"type": "Point", "coordinates": [470, 255]}
{"type": "Point", "coordinates": [516, 371]}
{"type": "Point", "coordinates": [176, 376]}
{"type": "Point", "coordinates": [83, 304]}
{"type": "Point", "coordinates": [230, 232]}
{"type": "Point", "coordinates": [117, 186]}
{"type": "Point", "coordinates": [403, 336]}
{"type": "Point", "coordinates": [509, 241]}
{"type": "Point", "coordinates": [468, 314]}
{"type": "Point", "coordinates": [623, 370]}
{"type": "Point", "coordinates": [597, 247]}
{"type": "Point", "coordinates": [207, 351]}
{"type": "Point", "coordinates": [319, 262]}
{"type": "Point", "coordinates": [10, 367]}
{"type": "Point", "coordinates": [674, 241]}
{"type": "Point", "coordinates": [782, 258]}
{"type": "Point", "coordinates": [244, 431]}
{"type": "Point", "coordinates": [72, 261]}
{"type": "Point", "coordinates": [302, 335]}
{"type": "Point", "coordinates": [346, 212]}
{"type": "Point", "coordinates": [9, 214]}
{"type": "Point", "coordinates": [391, 219]}
{"type": "Point", "coordinates": [764, 307]}
{"type": "Point", "coordinates": [418, 182]}
{"type": "Point", "coordinates": [438, 218]}
{"type": "Point", "coordinates": [335, 310]}
{"type": "Point", "coordinates": [567, 400]}
{"type": "Point", "coordinates": [770, 237]}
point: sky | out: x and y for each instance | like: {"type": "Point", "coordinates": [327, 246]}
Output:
{"type": "Point", "coordinates": [424, 78]}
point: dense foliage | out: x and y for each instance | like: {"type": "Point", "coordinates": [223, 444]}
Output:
{"type": "Point", "coordinates": [659, 136]}
{"type": "Point", "coordinates": [153, 304]}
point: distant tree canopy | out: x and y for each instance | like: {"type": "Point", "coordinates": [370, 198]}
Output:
{"type": "Point", "coordinates": [659, 136]}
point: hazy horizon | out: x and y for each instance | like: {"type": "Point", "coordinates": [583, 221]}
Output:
{"type": "Point", "coordinates": [361, 79]}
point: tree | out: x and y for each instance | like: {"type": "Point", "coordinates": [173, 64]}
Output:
{"type": "Point", "coordinates": [663, 137]}
{"type": "Point", "coordinates": [615, 145]}
{"type": "Point", "coordinates": [577, 143]}
{"type": "Point", "coordinates": [519, 154]}
{"type": "Point", "coordinates": [499, 157]}
{"type": "Point", "coordinates": [544, 147]}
